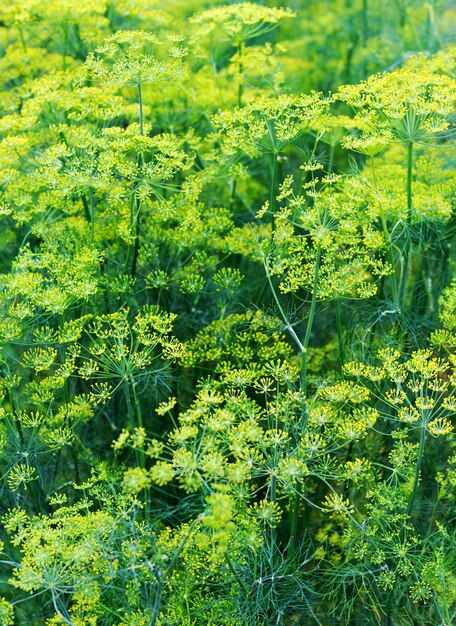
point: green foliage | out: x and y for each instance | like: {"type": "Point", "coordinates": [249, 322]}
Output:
{"type": "Point", "coordinates": [227, 313]}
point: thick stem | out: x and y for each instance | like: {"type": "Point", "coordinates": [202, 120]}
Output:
{"type": "Point", "coordinates": [238, 579]}
{"type": "Point", "coordinates": [332, 148]}
{"type": "Point", "coordinates": [158, 598]}
{"type": "Point", "coordinates": [136, 244]}
{"type": "Point", "coordinates": [136, 217]}
{"type": "Point", "coordinates": [92, 218]}
{"type": "Point", "coordinates": [90, 215]}
{"type": "Point", "coordinates": [273, 499]}
{"type": "Point", "coordinates": [340, 338]}
{"type": "Point", "coordinates": [407, 247]}
{"type": "Point", "coordinates": [419, 463]}
{"type": "Point", "coordinates": [240, 74]}
{"type": "Point", "coordinates": [402, 14]}
{"type": "Point", "coordinates": [365, 34]}
{"type": "Point", "coordinates": [134, 414]}
{"type": "Point", "coordinates": [365, 22]}
{"type": "Point", "coordinates": [139, 421]}
{"type": "Point", "coordinates": [273, 191]}
{"type": "Point", "coordinates": [141, 112]}
{"type": "Point", "coordinates": [65, 47]}
{"type": "Point", "coordinates": [349, 62]}
{"type": "Point", "coordinates": [77, 473]}
{"type": "Point", "coordinates": [393, 602]}
{"type": "Point", "coordinates": [409, 181]}
{"type": "Point", "coordinates": [310, 320]}
{"type": "Point", "coordinates": [131, 418]}
{"type": "Point", "coordinates": [294, 508]}
{"type": "Point", "coordinates": [282, 312]}
{"type": "Point", "coordinates": [15, 413]}
{"type": "Point", "coordinates": [232, 193]}
{"type": "Point", "coordinates": [293, 522]}
{"type": "Point", "coordinates": [387, 237]}
{"type": "Point", "coordinates": [433, 37]}
{"type": "Point", "coordinates": [22, 38]}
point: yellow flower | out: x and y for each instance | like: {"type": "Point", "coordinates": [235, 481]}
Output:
{"type": "Point", "coordinates": [135, 480]}
{"type": "Point", "coordinates": [440, 426]}
{"type": "Point", "coordinates": [267, 512]}
{"type": "Point", "coordinates": [162, 473]}
{"type": "Point", "coordinates": [336, 504]}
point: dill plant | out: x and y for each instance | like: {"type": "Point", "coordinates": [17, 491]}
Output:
{"type": "Point", "coordinates": [238, 25]}
{"type": "Point", "coordinates": [227, 314]}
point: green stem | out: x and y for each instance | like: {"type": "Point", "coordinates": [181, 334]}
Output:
{"type": "Point", "coordinates": [239, 580]}
{"type": "Point", "coordinates": [141, 112]}
{"type": "Point", "coordinates": [232, 194]}
{"type": "Point", "coordinates": [407, 247]}
{"type": "Point", "coordinates": [393, 602]}
{"type": "Point", "coordinates": [391, 255]}
{"type": "Point", "coordinates": [134, 414]}
{"type": "Point", "coordinates": [65, 47]}
{"type": "Point", "coordinates": [89, 214]}
{"type": "Point", "coordinates": [409, 181]}
{"type": "Point", "coordinates": [387, 237]}
{"type": "Point", "coordinates": [365, 34]}
{"type": "Point", "coordinates": [15, 414]}
{"type": "Point", "coordinates": [131, 418]}
{"type": "Point", "coordinates": [402, 13]}
{"type": "Point", "coordinates": [310, 320]}
{"type": "Point", "coordinates": [332, 147]}
{"type": "Point", "coordinates": [294, 515]}
{"type": "Point", "coordinates": [77, 472]}
{"type": "Point", "coordinates": [136, 217]}
{"type": "Point", "coordinates": [158, 597]}
{"type": "Point", "coordinates": [255, 565]}
{"type": "Point", "coordinates": [240, 74]}
{"type": "Point", "coordinates": [282, 312]}
{"type": "Point", "coordinates": [340, 339]}
{"type": "Point", "coordinates": [349, 61]}
{"type": "Point", "coordinates": [433, 37]}
{"type": "Point", "coordinates": [136, 244]}
{"type": "Point", "coordinates": [273, 193]}
{"type": "Point", "coordinates": [294, 512]}
{"type": "Point", "coordinates": [365, 21]}
{"type": "Point", "coordinates": [22, 38]}
{"type": "Point", "coordinates": [419, 463]}
{"type": "Point", "coordinates": [92, 218]}
{"type": "Point", "coordinates": [273, 499]}
{"type": "Point", "coordinates": [139, 421]}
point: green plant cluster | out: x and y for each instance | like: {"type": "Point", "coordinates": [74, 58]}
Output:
{"type": "Point", "coordinates": [227, 313]}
